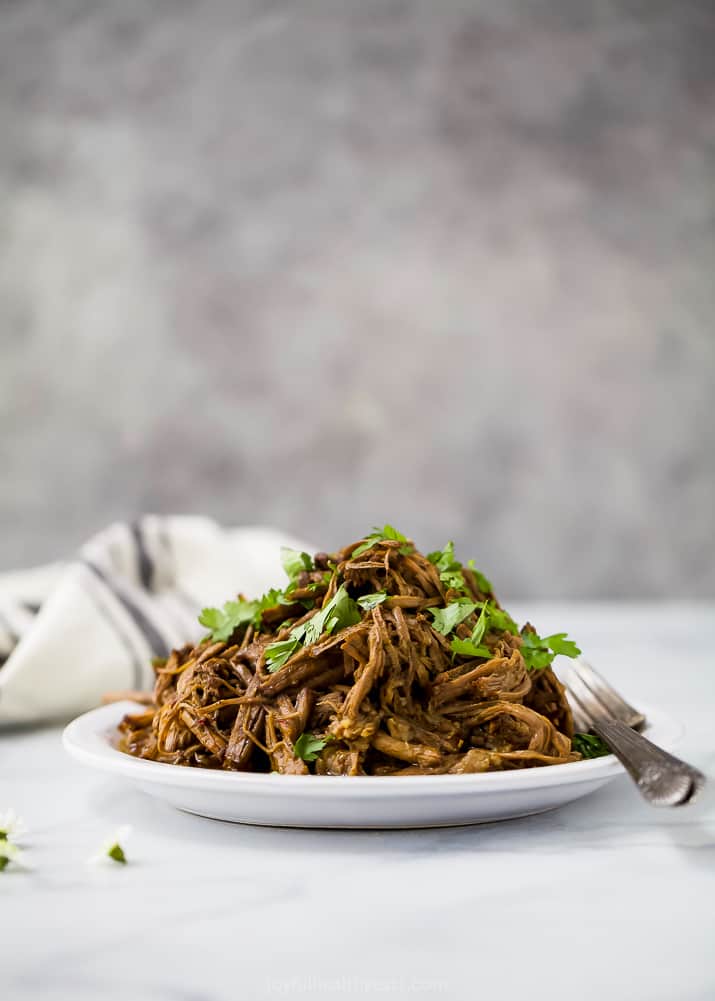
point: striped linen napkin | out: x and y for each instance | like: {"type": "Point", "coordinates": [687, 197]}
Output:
{"type": "Point", "coordinates": [70, 632]}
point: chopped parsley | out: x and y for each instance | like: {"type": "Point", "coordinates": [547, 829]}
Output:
{"type": "Point", "coordinates": [500, 621]}
{"type": "Point", "coordinates": [444, 559]}
{"type": "Point", "coordinates": [308, 746]}
{"type": "Point", "coordinates": [278, 653]}
{"type": "Point", "coordinates": [473, 646]}
{"type": "Point", "coordinates": [468, 648]}
{"type": "Point", "coordinates": [368, 601]}
{"type": "Point", "coordinates": [385, 534]}
{"type": "Point", "coordinates": [341, 611]}
{"type": "Point", "coordinates": [222, 622]}
{"type": "Point", "coordinates": [450, 569]}
{"type": "Point", "coordinates": [491, 619]}
{"type": "Point", "coordinates": [483, 583]}
{"type": "Point", "coordinates": [448, 618]}
{"type": "Point", "coordinates": [539, 652]}
{"type": "Point", "coordinates": [295, 563]}
{"type": "Point", "coordinates": [589, 745]}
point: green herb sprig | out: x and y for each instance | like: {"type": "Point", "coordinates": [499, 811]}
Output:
{"type": "Point", "coordinates": [295, 563]}
{"type": "Point", "coordinates": [473, 647]}
{"type": "Point", "coordinates": [450, 569]}
{"type": "Point", "coordinates": [589, 745]}
{"type": "Point", "coordinates": [368, 601]}
{"type": "Point", "coordinates": [341, 611]}
{"type": "Point", "coordinates": [448, 618]}
{"type": "Point", "coordinates": [385, 534]}
{"type": "Point", "coordinates": [539, 652]}
{"type": "Point", "coordinates": [308, 746]}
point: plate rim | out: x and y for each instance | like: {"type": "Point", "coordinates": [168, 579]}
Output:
{"type": "Point", "coordinates": [87, 739]}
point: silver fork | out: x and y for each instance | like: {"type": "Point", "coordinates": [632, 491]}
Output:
{"type": "Point", "coordinates": [663, 779]}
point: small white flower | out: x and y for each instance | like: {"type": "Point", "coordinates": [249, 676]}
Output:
{"type": "Point", "coordinates": [12, 827]}
{"type": "Point", "coordinates": [112, 849]}
{"type": "Point", "coordinates": [8, 853]}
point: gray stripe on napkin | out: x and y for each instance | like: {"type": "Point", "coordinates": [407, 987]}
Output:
{"type": "Point", "coordinates": [157, 643]}
{"type": "Point", "coordinates": [137, 659]}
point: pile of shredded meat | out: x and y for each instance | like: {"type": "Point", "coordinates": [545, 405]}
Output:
{"type": "Point", "coordinates": [373, 687]}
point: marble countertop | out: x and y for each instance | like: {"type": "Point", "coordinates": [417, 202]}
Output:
{"type": "Point", "coordinates": [603, 899]}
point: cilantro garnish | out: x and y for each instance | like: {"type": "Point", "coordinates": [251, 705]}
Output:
{"type": "Point", "coordinates": [589, 745]}
{"type": "Point", "coordinates": [467, 648]}
{"type": "Point", "coordinates": [223, 622]}
{"type": "Point", "coordinates": [450, 569]}
{"type": "Point", "coordinates": [341, 611]}
{"type": "Point", "coordinates": [278, 653]}
{"type": "Point", "coordinates": [368, 601]}
{"type": "Point", "coordinates": [308, 746]}
{"type": "Point", "coordinates": [483, 583]}
{"type": "Point", "coordinates": [295, 563]}
{"type": "Point", "coordinates": [500, 621]}
{"type": "Point", "coordinates": [473, 646]}
{"type": "Point", "coordinates": [446, 619]}
{"type": "Point", "coordinates": [491, 620]}
{"type": "Point", "coordinates": [539, 652]}
{"type": "Point", "coordinates": [443, 559]}
{"type": "Point", "coordinates": [385, 534]}
{"type": "Point", "coordinates": [268, 600]}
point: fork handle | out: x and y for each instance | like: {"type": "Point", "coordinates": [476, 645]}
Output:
{"type": "Point", "coordinates": [663, 779]}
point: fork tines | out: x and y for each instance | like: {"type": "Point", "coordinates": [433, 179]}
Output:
{"type": "Point", "coordinates": [593, 699]}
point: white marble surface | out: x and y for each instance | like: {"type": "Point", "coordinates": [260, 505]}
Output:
{"type": "Point", "coordinates": [605, 899]}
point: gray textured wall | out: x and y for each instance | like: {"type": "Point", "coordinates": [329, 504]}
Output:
{"type": "Point", "coordinates": [330, 264]}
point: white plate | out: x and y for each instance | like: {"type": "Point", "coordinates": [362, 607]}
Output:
{"type": "Point", "coordinates": [350, 802]}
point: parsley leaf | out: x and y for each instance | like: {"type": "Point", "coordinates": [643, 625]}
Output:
{"type": "Point", "coordinates": [448, 618]}
{"type": "Point", "coordinates": [443, 559]}
{"type": "Point", "coordinates": [222, 622]}
{"type": "Point", "coordinates": [369, 601]}
{"type": "Point", "coordinates": [278, 653]}
{"type": "Point", "coordinates": [294, 563]}
{"type": "Point", "coordinates": [481, 626]}
{"type": "Point", "coordinates": [340, 612]}
{"type": "Point", "coordinates": [538, 653]}
{"type": "Point", "coordinates": [483, 583]}
{"type": "Point", "coordinates": [534, 652]}
{"type": "Point", "coordinates": [501, 622]}
{"type": "Point", "coordinates": [473, 647]}
{"type": "Point", "coordinates": [385, 534]}
{"type": "Point", "coordinates": [308, 746]}
{"type": "Point", "coordinates": [450, 568]}
{"type": "Point", "coordinates": [491, 619]}
{"type": "Point", "coordinates": [589, 745]}
{"type": "Point", "coordinates": [268, 600]}
{"type": "Point", "coordinates": [453, 580]}
{"type": "Point", "coordinates": [466, 648]}
{"type": "Point", "coordinates": [560, 643]}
